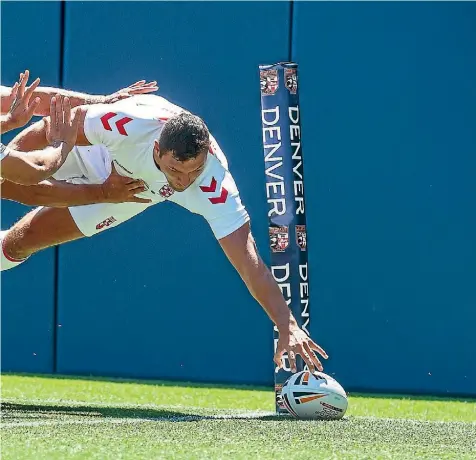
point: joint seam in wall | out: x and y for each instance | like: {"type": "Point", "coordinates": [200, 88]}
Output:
{"type": "Point", "coordinates": [291, 23]}
{"type": "Point", "coordinates": [56, 249]}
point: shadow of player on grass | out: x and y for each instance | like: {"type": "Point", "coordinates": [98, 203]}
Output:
{"type": "Point", "coordinates": [16, 412]}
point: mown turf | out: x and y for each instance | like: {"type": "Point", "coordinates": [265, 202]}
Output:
{"type": "Point", "coordinates": [52, 418]}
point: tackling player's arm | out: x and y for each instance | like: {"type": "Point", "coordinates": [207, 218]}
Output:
{"type": "Point", "coordinates": [116, 189]}
{"type": "Point", "coordinates": [33, 167]}
{"type": "Point", "coordinates": [241, 250]}
{"type": "Point", "coordinates": [61, 194]}
{"type": "Point", "coordinates": [43, 95]}
{"type": "Point", "coordinates": [35, 136]}
{"type": "Point", "coordinates": [90, 120]}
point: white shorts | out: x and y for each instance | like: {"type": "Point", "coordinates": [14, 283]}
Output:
{"type": "Point", "coordinates": [92, 165]}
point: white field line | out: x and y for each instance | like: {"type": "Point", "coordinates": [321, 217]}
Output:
{"type": "Point", "coordinates": [188, 418]}
{"type": "Point", "coordinates": [206, 414]}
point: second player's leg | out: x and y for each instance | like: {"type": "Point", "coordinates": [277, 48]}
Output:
{"type": "Point", "coordinates": [40, 229]}
{"type": "Point", "coordinates": [46, 227]}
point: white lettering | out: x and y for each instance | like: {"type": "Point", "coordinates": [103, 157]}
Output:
{"type": "Point", "coordinates": [303, 271]}
{"type": "Point", "coordinates": [274, 188]}
{"type": "Point", "coordinates": [279, 268]}
{"type": "Point", "coordinates": [294, 115]}
{"type": "Point", "coordinates": [298, 187]}
{"type": "Point", "coordinates": [274, 111]}
{"type": "Point", "coordinates": [296, 147]}
{"type": "Point", "coordinates": [277, 203]}
{"type": "Point", "coordinates": [305, 326]}
{"type": "Point", "coordinates": [296, 170]}
{"type": "Point", "coordinates": [269, 171]}
{"type": "Point", "coordinates": [295, 131]}
{"type": "Point", "coordinates": [304, 294]}
{"type": "Point", "coordinates": [279, 207]}
{"type": "Point", "coordinates": [277, 129]}
{"type": "Point", "coordinates": [269, 155]}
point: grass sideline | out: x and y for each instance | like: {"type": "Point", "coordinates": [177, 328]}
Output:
{"type": "Point", "coordinates": [81, 418]}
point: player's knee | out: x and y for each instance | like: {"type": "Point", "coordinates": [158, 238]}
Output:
{"type": "Point", "coordinates": [22, 240]}
{"type": "Point", "coordinates": [15, 244]}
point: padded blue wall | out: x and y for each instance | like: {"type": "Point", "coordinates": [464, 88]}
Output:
{"type": "Point", "coordinates": [156, 297]}
{"type": "Point", "coordinates": [389, 114]}
{"type": "Point", "coordinates": [28, 293]}
{"type": "Point", "coordinates": [388, 101]}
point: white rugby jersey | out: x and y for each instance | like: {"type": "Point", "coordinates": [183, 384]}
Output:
{"type": "Point", "coordinates": [129, 128]}
{"type": "Point", "coordinates": [3, 151]}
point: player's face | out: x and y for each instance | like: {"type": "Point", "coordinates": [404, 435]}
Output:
{"type": "Point", "coordinates": [180, 174]}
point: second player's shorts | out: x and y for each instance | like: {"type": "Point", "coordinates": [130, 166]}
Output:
{"type": "Point", "coordinates": [92, 165]}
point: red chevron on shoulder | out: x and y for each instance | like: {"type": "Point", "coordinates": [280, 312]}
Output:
{"type": "Point", "coordinates": [120, 125]}
{"type": "Point", "coordinates": [220, 199]}
{"type": "Point", "coordinates": [105, 120]}
{"type": "Point", "coordinates": [210, 188]}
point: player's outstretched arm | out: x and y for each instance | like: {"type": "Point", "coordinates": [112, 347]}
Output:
{"type": "Point", "coordinates": [43, 95]}
{"type": "Point", "coordinates": [241, 250]}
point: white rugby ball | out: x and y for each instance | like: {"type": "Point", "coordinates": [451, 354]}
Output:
{"type": "Point", "coordinates": [314, 396]}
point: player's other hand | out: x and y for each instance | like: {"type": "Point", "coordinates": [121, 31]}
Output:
{"type": "Point", "coordinates": [22, 108]}
{"type": "Point", "coordinates": [139, 87]}
{"type": "Point", "coordinates": [296, 342]}
{"type": "Point", "coordinates": [120, 189]}
{"type": "Point", "coordinates": [61, 127]}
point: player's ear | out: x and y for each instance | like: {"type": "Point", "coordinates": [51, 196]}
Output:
{"type": "Point", "coordinates": [156, 147]}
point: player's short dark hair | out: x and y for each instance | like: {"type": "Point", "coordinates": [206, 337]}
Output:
{"type": "Point", "coordinates": [185, 135]}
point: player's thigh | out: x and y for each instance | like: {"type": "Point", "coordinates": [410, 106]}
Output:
{"type": "Point", "coordinates": [41, 229]}
{"type": "Point", "coordinates": [96, 218]}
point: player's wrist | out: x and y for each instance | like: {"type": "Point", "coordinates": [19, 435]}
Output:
{"type": "Point", "coordinates": [286, 324]}
{"type": "Point", "coordinates": [63, 146]}
{"type": "Point", "coordinates": [91, 100]}
{"type": "Point", "coordinates": [8, 123]}
{"type": "Point", "coordinates": [57, 143]}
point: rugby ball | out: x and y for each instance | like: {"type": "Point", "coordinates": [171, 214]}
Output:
{"type": "Point", "coordinates": [314, 396]}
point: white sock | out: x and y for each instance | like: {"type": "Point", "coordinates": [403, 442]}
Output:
{"type": "Point", "coordinates": [7, 262]}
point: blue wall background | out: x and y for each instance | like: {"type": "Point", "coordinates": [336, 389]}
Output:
{"type": "Point", "coordinates": [28, 296]}
{"type": "Point", "coordinates": [388, 101]}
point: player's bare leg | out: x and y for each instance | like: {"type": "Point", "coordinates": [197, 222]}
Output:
{"type": "Point", "coordinates": [39, 229]}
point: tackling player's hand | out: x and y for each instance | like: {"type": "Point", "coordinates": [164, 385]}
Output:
{"type": "Point", "coordinates": [21, 110]}
{"type": "Point", "coordinates": [60, 127]}
{"type": "Point", "coordinates": [139, 87]}
{"type": "Point", "coordinates": [121, 189]}
{"type": "Point", "coordinates": [296, 342]}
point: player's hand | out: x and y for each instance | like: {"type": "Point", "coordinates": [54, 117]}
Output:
{"type": "Point", "coordinates": [21, 109]}
{"type": "Point", "coordinates": [296, 342]}
{"type": "Point", "coordinates": [121, 189]}
{"type": "Point", "coordinates": [60, 127]}
{"type": "Point", "coordinates": [139, 87]}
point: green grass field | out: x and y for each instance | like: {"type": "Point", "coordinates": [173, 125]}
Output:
{"type": "Point", "coordinates": [63, 418]}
